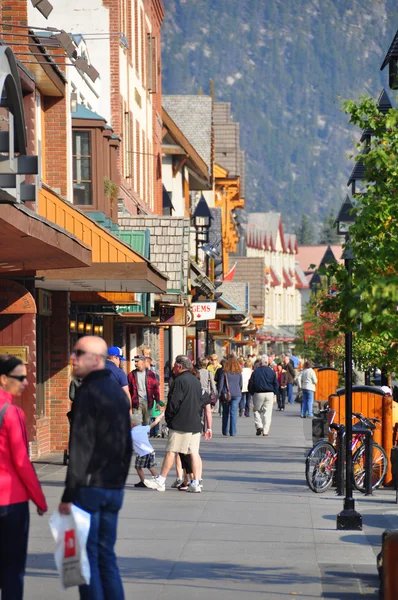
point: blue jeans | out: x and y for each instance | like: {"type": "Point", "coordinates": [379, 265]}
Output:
{"type": "Point", "coordinates": [103, 506]}
{"type": "Point", "coordinates": [290, 393]}
{"type": "Point", "coordinates": [308, 400]}
{"type": "Point", "coordinates": [244, 404]}
{"type": "Point", "coordinates": [14, 531]}
{"type": "Point", "coordinates": [230, 413]}
{"type": "Point", "coordinates": [155, 430]}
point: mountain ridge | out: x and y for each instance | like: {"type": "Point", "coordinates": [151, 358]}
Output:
{"type": "Point", "coordinates": [283, 66]}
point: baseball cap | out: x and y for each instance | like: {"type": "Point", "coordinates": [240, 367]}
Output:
{"type": "Point", "coordinates": [115, 351]}
{"type": "Point", "coordinates": [139, 357]}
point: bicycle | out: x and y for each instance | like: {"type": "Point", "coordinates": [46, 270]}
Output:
{"type": "Point", "coordinates": [321, 460]}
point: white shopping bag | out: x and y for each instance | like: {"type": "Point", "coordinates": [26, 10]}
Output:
{"type": "Point", "coordinates": [70, 533]}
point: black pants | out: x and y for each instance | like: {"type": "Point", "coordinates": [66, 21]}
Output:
{"type": "Point", "coordinates": [281, 397]}
{"type": "Point", "coordinates": [14, 531]}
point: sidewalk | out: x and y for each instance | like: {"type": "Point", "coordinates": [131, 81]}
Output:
{"type": "Point", "coordinates": [255, 531]}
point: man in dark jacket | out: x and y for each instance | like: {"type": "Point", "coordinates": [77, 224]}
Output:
{"type": "Point", "coordinates": [183, 418]}
{"type": "Point", "coordinates": [263, 386]}
{"type": "Point", "coordinates": [291, 375]}
{"type": "Point", "coordinates": [99, 461]}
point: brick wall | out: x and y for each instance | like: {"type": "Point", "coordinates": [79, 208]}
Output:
{"type": "Point", "coordinates": [57, 387]}
{"type": "Point", "coordinates": [56, 151]}
{"type": "Point", "coordinates": [16, 12]}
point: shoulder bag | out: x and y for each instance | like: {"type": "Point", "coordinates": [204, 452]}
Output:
{"type": "Point", "coordinates": [212, 394]}
{"type": "Point", "coordinates": [227, 394]}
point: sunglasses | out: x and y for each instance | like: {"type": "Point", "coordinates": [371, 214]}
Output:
{"type": "Point", "coordinates": [79, 352]}
{"type": "Point", "coordinates": [20, 378]}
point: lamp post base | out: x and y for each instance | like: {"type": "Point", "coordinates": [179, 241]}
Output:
{"type": "Point", "coordinates": [349, 520]}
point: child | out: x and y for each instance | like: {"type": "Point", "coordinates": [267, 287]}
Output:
{"type": "Point", "coordinates": [145, 458]}
{"type": "Point", "coordinates": [156, 410]}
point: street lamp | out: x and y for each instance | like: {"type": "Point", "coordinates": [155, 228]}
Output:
{"type": "Point", "coordinates": [201, 220]}
{"type": "Point", "coordinates": [348, 518]}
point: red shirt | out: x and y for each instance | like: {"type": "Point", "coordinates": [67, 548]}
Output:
{"type": "Point", "coordinates": [152, 388]}
{"type": "Point", "coordinates": [18, 479]}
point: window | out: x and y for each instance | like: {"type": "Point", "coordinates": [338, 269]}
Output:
{"type": "Point", "coordinates": [82, 174]}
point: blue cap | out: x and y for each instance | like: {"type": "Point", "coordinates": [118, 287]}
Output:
{"type": "Point", "coordinates": [115, 351]}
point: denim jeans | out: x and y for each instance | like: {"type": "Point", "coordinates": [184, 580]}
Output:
{"type": "Point", "coordinates": [281, 397]}
{"type": "Point", "coordinates": [155, 430]}
{"type": "Point", "coordinates": [308, 400]}
{"type": "Point", "coordinates": [103, 506]}
{"type": "Point", "coordinates": [290, 393]}
{"type": "Point", "coordinates": [244, 404]}
{"type": "Point", "coordinates": [230, 414]}
{"type": "Point", "coordinates": [14, 532]}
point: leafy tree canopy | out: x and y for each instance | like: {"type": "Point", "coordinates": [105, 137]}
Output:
{"type": "Point", "coordinates": [368, 304]}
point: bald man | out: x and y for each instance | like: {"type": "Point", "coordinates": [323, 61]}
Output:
{"type": "Point", "coordinates": [99, 461]}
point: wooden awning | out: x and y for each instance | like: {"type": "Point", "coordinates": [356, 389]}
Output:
{"type": "Point", "coordinates": [29, 242]}
{"type": "Point", "coordinates": [106, 277]}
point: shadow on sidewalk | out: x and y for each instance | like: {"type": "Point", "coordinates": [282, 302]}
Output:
{"type": "Point", "coordinates": [152, 569]}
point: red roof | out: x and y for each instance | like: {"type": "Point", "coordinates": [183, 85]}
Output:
{"type": "Point", "coordinates": [287, 281]}
{"type": "Point", "coordinates": [275, 281]}
{"type": "Point", "coordinates": [313, 255]}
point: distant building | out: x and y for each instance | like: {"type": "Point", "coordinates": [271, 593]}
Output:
{"type": "Point", "coordinates": [310, 259]}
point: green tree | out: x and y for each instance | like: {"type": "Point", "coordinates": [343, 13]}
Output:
{"type": "Point", "coordinates": [305, 232]}
{"type": "Point", "coordinates": [328, 234]}
{"type": "Point", "coordinates": [368, 304]}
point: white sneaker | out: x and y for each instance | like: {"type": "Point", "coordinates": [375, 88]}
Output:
{"type": "Point", "coordinates": [176, 483]}
{"type": "Point", "coordinates": [154, 484]}
{"type": "Point", "coordinates": [194, 489]}
{"type": "Point", "coordinates": [201, 484]}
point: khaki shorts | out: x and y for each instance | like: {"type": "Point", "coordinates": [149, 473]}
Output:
{"type": "Point", "coordinates": [181, 441]}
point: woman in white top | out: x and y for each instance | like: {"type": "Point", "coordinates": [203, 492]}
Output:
{"type": "Point", "coordinates": [308, 383]}
{"type": "Point", "coordinates": [244, 405]}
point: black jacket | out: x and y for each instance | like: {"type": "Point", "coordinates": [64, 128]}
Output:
{"type": "Point", "coordinates": [100, 438]}
{"type": "Point", "coordinates": [263, 379]}
{"type": "Point", "coordinates": [185, 404]}
{"type": "Point", "coordinates": [291, 374]}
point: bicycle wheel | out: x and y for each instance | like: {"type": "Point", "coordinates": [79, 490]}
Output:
{"type": "Point", "coordinates": [379, 467]}
{"type": "Point", "coordinates": [320, 467]}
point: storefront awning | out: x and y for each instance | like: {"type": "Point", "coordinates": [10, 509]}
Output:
{"type": "Point", "coordinates": [106, 277]}
{"type": "Point", "coordinates": [29, 242]}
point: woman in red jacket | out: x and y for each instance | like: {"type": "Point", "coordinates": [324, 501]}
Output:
{"type": "Point", "coordinates": [18, 481]}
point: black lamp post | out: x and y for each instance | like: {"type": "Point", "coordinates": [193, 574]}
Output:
{"type": "Point", "coordinates": [391, 59]}
{"type": "Point", "coordinates": [201, 220]}
{"type": "Point", "coordinates": [349, 518]}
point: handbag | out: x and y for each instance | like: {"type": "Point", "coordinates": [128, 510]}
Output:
{"type": "Point", "coordinates": [227, 394]}
{"type": "Point", "coordinates": [213, 395]}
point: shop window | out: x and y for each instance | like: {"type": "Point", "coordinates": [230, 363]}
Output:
{"type": "Point", "coordinates": [82, 169]}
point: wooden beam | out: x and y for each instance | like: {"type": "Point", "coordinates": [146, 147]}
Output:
{"type": "Point", "coordinates": [178, 164]}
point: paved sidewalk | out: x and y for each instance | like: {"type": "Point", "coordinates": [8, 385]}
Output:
{"type": "Point", "coordinates": [256, 531]}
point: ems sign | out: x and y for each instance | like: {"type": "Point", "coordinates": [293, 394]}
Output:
{"type": "Point", "coordinates": [203, 311]}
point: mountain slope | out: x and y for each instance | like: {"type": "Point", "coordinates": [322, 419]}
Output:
{"type": "Point", "coordinates": [282, 64]}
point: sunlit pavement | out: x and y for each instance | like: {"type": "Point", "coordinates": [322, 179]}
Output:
{"type": "Point", "coordinates": [256, 531]}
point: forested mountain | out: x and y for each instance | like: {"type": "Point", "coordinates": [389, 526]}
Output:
{"type": "Point", "coordinates": [283, 64]}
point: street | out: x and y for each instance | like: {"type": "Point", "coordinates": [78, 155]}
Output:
{"type": "Point", "coordinates": [256, 528]}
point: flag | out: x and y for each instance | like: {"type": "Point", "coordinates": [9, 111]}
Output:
{"type": "Point", "coordinates": [231, 274]}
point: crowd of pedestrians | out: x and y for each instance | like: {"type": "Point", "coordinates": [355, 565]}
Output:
{"type": "Point", "coordinates": [113, 414]}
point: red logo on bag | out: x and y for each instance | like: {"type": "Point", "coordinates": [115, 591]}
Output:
{"type": "Point", "coordinates": [70, 544]}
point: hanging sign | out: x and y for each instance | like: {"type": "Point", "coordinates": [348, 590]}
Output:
{"type": "Point", "coordinates": [215, 326]}
{"type": "Point", "coordinates": [203, 311]}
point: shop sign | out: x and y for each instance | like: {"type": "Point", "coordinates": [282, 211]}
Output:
{"type": "Point", "coordinates": [15, 299]}
{"type": "Point", "coordinates": [121, 309]}
{"type": "Point", "coordinates": [203, 311]}
{"type": "Point", "coordinates": [20, 352]}
{"type": "Point", "coordinates": [45, 307]}
{"type": "Point", "coordinates": [215, 326]}
{"type": "Point", "coordinates": [172, 315]}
